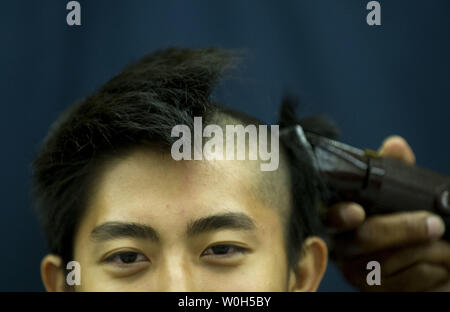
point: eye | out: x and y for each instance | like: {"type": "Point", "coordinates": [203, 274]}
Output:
{"type": "Point", "coordinates": [126, 258]}
{"type": "Point", "coordinates": [223, 250]}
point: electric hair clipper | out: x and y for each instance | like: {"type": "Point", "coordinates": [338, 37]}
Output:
{"type": "Point", "coordinates": [379, 184]}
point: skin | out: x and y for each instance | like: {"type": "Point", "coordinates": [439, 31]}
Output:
{"type": "Point", "coordinates": [149, 188]}
{"type": "Point", "coordinates": [411, 257]}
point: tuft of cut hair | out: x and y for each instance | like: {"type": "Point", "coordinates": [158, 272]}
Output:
{"type": "Point", "coordinates": [140, 105]}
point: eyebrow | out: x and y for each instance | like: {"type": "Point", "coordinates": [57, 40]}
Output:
{"type": "Point", "coordinates": [114, 230]}
{"type": "Point", "coordinates": [229, 221]}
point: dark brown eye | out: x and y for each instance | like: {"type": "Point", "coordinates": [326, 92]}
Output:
{"type": "Point", "coordinates": [127, 257]}
{"type": "Point", "coordinates": [221, 250]}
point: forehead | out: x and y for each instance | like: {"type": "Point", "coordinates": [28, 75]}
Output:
{"type": "Point", "coordinates": [148, 186]}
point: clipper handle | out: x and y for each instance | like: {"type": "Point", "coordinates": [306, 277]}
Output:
{"type": "Point", "coordinates": [379, 184]}
{"type": "Point", "coordinates": [394, 186]}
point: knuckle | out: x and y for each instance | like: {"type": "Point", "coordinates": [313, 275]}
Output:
{"type": "Point", "coordinates": [423, 270]}
{"type": "Point", "coordinates": [413, 226]}
{"type": "Point", "coordinates": [373, 232]}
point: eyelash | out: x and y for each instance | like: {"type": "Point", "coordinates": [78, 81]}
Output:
{"type": "Point", "coordinates": [238, 250]}
{"type": "Point", "coordinates": [118, 255]}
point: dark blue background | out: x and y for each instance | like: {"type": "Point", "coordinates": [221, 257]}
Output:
{"type": "Point", "coordinates": [374, 81]}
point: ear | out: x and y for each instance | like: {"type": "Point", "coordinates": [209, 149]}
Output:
{"type": "Point", "coordinates": [311, 266]}
{"type": "Point", "coordinates": [52, 273]}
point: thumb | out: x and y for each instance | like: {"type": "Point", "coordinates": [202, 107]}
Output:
{"type": "Point", "coordinates": [397, 147]}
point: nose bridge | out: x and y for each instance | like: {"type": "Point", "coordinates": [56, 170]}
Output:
{"type": "Point", "coordinates": [175, 272]}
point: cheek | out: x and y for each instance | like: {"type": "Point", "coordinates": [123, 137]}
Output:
{"type": "Point", "coordinates": [259, 277]}
{"type": "Point", "coordinates": [270, 270]}
{"type": "Point", "coordinates": [263, 271]}
{"type": "Point", "coordinates": [94, 279]}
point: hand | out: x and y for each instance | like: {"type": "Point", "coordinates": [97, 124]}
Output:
{"type": "Point", "coordinates": [407, 245]}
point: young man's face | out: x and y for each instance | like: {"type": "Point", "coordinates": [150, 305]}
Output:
{"type": "Point", "coordinates": [154, 224]}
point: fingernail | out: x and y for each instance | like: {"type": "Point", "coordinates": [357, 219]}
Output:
{"type": "Point", "coordinates": [353, 213]}
{"type": "Point", "coordinates": [435, 227]}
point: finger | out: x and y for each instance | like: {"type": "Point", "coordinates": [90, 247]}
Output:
{"type": "Point", "coordinates": [397, 147]}
{"type": "Point", "coordinates": [398, 230]}
{"type": "Point", "coordinates": [444, 287]}
{"type": "Point", "coordinates": [345, 216]}
{"type": "Point", "coordinates": [435, 253]}
{"type": "Point", "coordinates": [419, 277]}
{"type": "Point", "coordinates": [430, 276]}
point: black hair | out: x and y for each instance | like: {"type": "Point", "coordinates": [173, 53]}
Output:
{"type": "Point", "coordinates": [308, 188]}
{"type": "Point", "coordinates": [141, 105]}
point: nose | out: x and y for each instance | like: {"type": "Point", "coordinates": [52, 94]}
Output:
{"type": "Point", "coordinates": [175, 277]}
